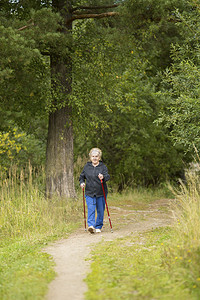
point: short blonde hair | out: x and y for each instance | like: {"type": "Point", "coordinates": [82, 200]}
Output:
{"type": "Point", "coordinates": [97, 150]}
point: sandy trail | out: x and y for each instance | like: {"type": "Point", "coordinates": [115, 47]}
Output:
{"type": "Point", "coordinates": [70, 254]}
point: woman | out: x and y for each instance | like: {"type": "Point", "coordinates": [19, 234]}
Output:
{"type": "Point", "coordinates": [93, 172]}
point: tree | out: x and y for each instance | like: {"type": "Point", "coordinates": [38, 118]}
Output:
{"type": "Point", "coordinates": [58, 44]}
{"type": "Point", "coordinates": [136, 149]}
{"type": "Point", "coordinates": [98, 76]}
{"type": "Point", "coordinates": [60, 161]}
{"type": "Point", "coordinates": [23, 95]}
{"type": "Point", "coordinates": [182, 82]}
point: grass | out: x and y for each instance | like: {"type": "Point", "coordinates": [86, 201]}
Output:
{"type": "Point", "coordinates": [123, 206]}
{"type": "Point", "coordinates": [138, 198]}
{"type": "Point", "coordinates": [135, 267]}
{"type": "Point", "coordinates": [25, 212]}
{"type": "Point", "coordinates": [158, 264]}
{"type": "Point", "coordinates": [28, 221]}
{"type": "Point", "coordinates": [25, 270]}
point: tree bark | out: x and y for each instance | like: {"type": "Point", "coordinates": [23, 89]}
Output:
{"type": "Point", "coordinates": [59, 166]}
{"type": "Point", "coordinates": [59, 155]}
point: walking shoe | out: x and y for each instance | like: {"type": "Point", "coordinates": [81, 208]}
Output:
{"type": "Point", "coordinates": [91, 229]}
{"type": "Point", "coordinates": [98, 230]}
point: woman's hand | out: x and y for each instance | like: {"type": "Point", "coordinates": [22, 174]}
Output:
{"type": "Point", "coordinates": [82, 185]}
{"type": "Point", "coordinates": [100, 176]}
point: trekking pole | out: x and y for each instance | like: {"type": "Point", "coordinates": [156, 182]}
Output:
{"type": "Point", "coordinates": [106, 205]}
{"type": "Point", "coordinates": [84, 209]}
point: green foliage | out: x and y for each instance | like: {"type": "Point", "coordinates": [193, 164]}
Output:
{"type": "Point", "coordinates": [24, 87]}
{"type": "Point", "coordinates": [120, 79]}
{"type": "Point", "coordinates": [17, 148]}
{"type": "Point", "coordinates": [182, 82]}
{"type": "Point", "coordinates": [9, 143]}
{"type": "Point", "coordinates": [118, 90]}
{"type": "Point", "coordinates": [153, 25]}
{"type": "Point", "coordinates": [21, 9]}
{"type": "Point", "coordinates": [23, 82]}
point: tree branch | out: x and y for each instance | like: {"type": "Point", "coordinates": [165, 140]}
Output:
{"type": "Point", "coordinates": [94, 7]}
{"type": "Point", "coordinates": [26, 26]}
{"type": "Point", "coordinates": [93, 16]}
{"type": "Point", "coordinates": [84, 15]}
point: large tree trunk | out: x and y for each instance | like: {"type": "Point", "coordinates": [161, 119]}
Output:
{"type": "Point", "coordinates": [59, 159]}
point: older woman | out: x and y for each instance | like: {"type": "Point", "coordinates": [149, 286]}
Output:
{"type": "Point", "coordinates": [93, 172]}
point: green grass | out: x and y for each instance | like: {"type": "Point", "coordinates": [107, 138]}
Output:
{"type": "Point", "coordinates": [136, 267]}
{"type": "Point", "coordinates": [25, 270]}
{"type": "Point", "coordinates": [139, 197]}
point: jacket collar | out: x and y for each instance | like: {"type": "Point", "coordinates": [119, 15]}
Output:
{"type": "Point", "coordinates": [90, 163]}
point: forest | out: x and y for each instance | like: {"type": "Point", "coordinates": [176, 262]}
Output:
{"type": "Point", "coordinates": [123, 76]}
{"type": "Point", "coordinates": [119, 75]}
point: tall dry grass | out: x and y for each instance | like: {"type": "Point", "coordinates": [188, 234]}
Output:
{"type": "Point", "coordinates": [187, 210]}
{"type": "Point", "coordinates": [24, 210]}
{"type": "Point", "coordinates": [182, 255]}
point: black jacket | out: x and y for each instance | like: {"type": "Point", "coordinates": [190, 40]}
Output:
{"type": "Point", "coordinates": [93, 184]}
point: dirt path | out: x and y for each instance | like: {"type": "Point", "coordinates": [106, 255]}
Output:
{"type": "Point", "coordinates": [70, 254]}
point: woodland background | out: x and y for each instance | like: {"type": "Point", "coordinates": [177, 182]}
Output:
{"type": "Point", "coordinates": [122, 76]}
{"type": "Point", "coordinates": [134, 85]}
